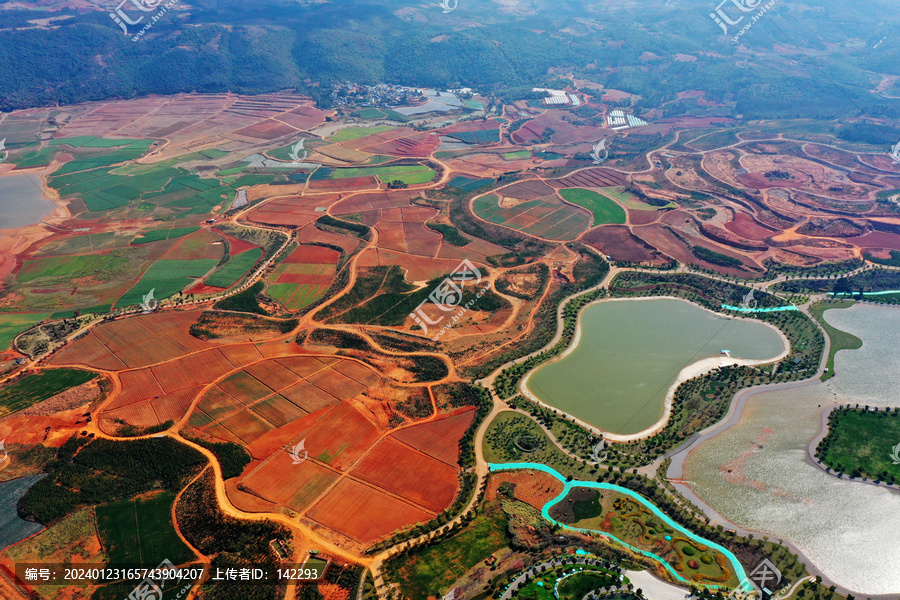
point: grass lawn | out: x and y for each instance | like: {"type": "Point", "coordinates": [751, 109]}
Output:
{"type": "Point", "coordinates": [864, 441]}
{"type": "Point", "coordinates": [840, 340]}
{"type": "Point", "coordinates": [429, 571]}
{"type": "Point", "coordinates": [235, 268]}
{"type": "Point", "coordinates": [353, 133]}
{"type": "Point", "coordinates": [140, 531]}
{"type": "Point", "coordinates": [39, 387]}
{"type": "Point", "coordinates": [166, 278]}
{"type": "Point", "coordinates": [604, 210]}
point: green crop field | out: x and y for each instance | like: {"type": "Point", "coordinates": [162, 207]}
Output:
{"type": "Point", "coordinates": [166, 278]}
{"type": "Point", "coordinates": [155, 235]}
{"type": "Point", "coordinates": [139, 531]}
{"type": "Point", "coordinates": [37, 158]}
{"type": "Point", "coordinates": [12, 325]}
{"type": "Point", "coordinates": [604, 210]}
{"type": "Point", "coordinates": [39, 387]}
{"type": "Point", "coordinates": [353, 133]}
{"type": "Point", "coordinates": [368, 113]}
{"type": "Point", "coordinates": [410, 178]}
{"type": "Point", "coordinates": [379, 171]}
{"type": "Point", "coordinates": [518, 155]}
{"type": "Point", "coordinates": [235, 268]}
{"type": "Point", "coordinates": [102, 266]}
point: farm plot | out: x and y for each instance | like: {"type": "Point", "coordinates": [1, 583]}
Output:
{"type": "Point", "coordinates": [469, 184]}
{"type": "Point", "coordinates": [295, 211]}
{"type": "Point", "coordinates": [290, 485]}
{"type": "Point", "coordinates": [414, 476]}
{"type": "Point", "coordinates": [304, 277]}
{"type": "Point", "coordinates": [274, 393]}
{"type": "Point", "coordinates": [133, 343]}
{"type": "Point", "coordinates": [546, 217]}
{"type": "Point", "coordinates": [595, 177]}
{"type": "Point", "coordinates": [409, 174]}
{"type": "Point", "coordinates": [166, 278]}
{"type": "Point", "coordinates": [438, 439]}
{"type": "Point", "coordinates": [236, 267]}
{"type": "Point", "coordinates": [139, 531]}
{"type": "Point", "coordinates": [364, 513]}
{"type": "Point", "coordinates": [605, 211]}
{"type": "Point", "coordinates": [39, 387]}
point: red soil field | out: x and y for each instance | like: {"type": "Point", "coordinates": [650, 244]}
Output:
{"type": "Point", "coordinates": [88, 351]}
{"type": "Point", "coordinates": [345, 183]}
{"type": "Point", "coordinates": [278, 411]}
{"type": "Point", "coordinates": [362, 513]}
{"type": "Point", "coordinates": [438, 439]}
{"type": "Point", "coordinates": [273, 375]}
{"type": "Point", "coordinates": [532, 487]}
{"type": "Point", "coordinates": [412, 475]}
{"type": "Point", "coordinates": [746, 226]}
{"type": "Point", "coordinates": [418, 268]}
{"type": "Point", "coordinates": [309, 397]}
{"type": "Point", "coordinates": [323, 280]}
{"type": "Point", "coordinates": [293, 486]}
{"type": "Point", "coordinates": [314, 255]}
{"type": "Point", "coordinates": [267, 130]}
{"type": "Point", "coordinates": [304, 117]}
{"type": "Point", "coordinates": [592, 177]}
{"type": "Point", "coordinates": [174, 406]}
{"type": "Point", "coordinates": [358, 372]}
{"type": "Point", "coordinates": [311, 234]}
{"type": "Point", "coordinates": [420, 145]}
{"type": "Point", "coordinates": [373, 201]}
{"type": "Point", "coordinates": [295, 210]}
{"type": "Point", "coordinates": [471, 126]}
{"type": "Point", "coordinates": [641, 217]}
{"type": "Point", "coordinates": [281, 437]}
{"type": "Point", "coordinates": [136, 385]}
{"type": "Point", "coordinates": [192, 370]}
{"type": "Point", "coordinates": [527, 190]}
{"type": "Point", "coordinates": [340, 437]}
{"type": "Point", "coordinates": [202, 288]}
{"type": "Point", "coordinates": [304, 366]}
{"type": "Point", "coordinates": [340, 386]}
{"type": "Point", "coordinates": [237, 245]}
{"type": "Point", "coordinates": [246, 425]}
{"type": "Point", "coordinates": [240, 355]}
{"type": "Point", "coordinates": [245, 501]}
{"type": "Point", "coordinates": [877, 239]}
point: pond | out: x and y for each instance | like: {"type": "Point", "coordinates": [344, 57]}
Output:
{"type": "Point", "coordinates": [22, 201]}
{"type": "Point", "coordinates": [757, 474]}
{"type": "Point", "coordinates": [630, 352]}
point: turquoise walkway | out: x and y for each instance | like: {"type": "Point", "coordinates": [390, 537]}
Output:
{"type": "Point", "coordinates": [851, 294]}
{"type": "Point", "coordinates": [568, 485]}
{"type": "Point", "coordinates": [759, 310]}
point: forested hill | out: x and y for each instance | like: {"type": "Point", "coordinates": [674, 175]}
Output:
{"type": "Point", "coordinates": [793, 62]}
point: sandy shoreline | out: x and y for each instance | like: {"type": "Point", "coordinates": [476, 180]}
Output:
{"type": "Point", "coordinates": [696, 369]}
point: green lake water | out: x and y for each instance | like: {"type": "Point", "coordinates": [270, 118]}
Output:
{"type": "Point", "coordinates": [631, 351]}
{"type": "Point", "coordinates": [22, 201]}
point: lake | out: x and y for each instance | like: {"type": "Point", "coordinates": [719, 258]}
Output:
{"type": "Point", "coordinates": [22, 201]}
{"type": "Point", "coordinates": [757, 475]}
{"type": "Point", "coordinates": [631, 352]}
